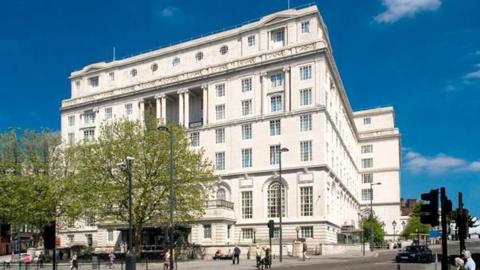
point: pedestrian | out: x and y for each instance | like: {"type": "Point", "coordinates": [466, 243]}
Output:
{"type": "Point", "coordinates": [74, 263]}
{"type": "Point", "coordinates": [166, 260]}
{"type": "Point", "coordinates": [236, 255]}
{"type": "Point", "coordinates": [258, 253]}
{"type": "Point", "coordinates": [111, 258]}
{"type": "Point", "coordinates": [305, 251]}
{"type": "Point", "coordinates": [263, 258]}
{"type": "Point", "coordinates": [60, 255]}
{"type": "Point", "coordinates": [41, 259]}
{"type": "Point", "coordinates": [459, 263]}
{"type": "Point", "coordinates": [469, 262]}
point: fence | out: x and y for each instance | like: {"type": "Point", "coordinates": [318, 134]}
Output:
{"type": "Point", "coordinates": [144, 264]}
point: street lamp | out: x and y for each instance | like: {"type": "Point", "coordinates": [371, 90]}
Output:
{"type": "Point", "coordinates": [130, 259]}
{"type": "Point", "coordinates": [394, 224]}
{"type": "Point", "coordinates": [280, 185]}
{"type": "Point", "coordinates": [403, 229]}
{"type": "Point", "coordinates": [298, 230]}
{"type": "Point", "coordinates": [371, 213]}
{"type": "Point", "coordinates": [170, 131]}
{"type": "Point", "coordinates": [254, 235]}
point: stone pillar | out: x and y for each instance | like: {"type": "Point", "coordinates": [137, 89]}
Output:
{"type": "Point", "coordinates": [186, 98]}
{"type": "Point", "coordinates": [180, 107]}
{"type": "Point", "coordinates": [264, 87]}
{"type": "Point", "coordinates": [163, 115]}
{"type": "Point", "coordinates": [287, 90]}
{"type": "Point", "coordinates": [158, 108]}
{"type": "Point", "coordinates": [141, 106]}
{"type": "Point", "coordinates": [205, 104]}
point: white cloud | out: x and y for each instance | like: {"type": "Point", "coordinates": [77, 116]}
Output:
{"type": "Point", "coordinates": [439, 163]}
{"type": "Point", "coordinates": [170, 11]}
{"type": "Point", "coordinates": [397, 9]}
{"type": "Point", "coordinates": [169, 15]}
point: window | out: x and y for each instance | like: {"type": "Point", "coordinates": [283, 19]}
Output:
{"type": "Point", "coordinates": [367, 120]}
{"type": "Point", "coordinates": [273, 200]}
{"type": "Point", "coordinates": [246, 131]}
{"type": "Point", "coordinates": [275, 127]}
{"type": "Point", "coordinates": [276, 232]}
{"type": "Point", "coordinates": [89, 135]}
{"type": "Point", "coordinates": [247, 158]}
{"type": "Point", "coordinates": [305, 122]}
{"type": "Point", "coordinates": [111, 76]}
{"type": "Point", "coordinates": [247, 85]}
{"type": "Point", "coordinates": [367, 148]}
{"type": "Point", "coordinates": [305, 97]}
{"type": "Point", "coordinates": [276, 80]}
{"type": "Point", "coordinates": [93, 81]}
{"type": "Point", "coordinates": [246, 107]}
{"type": "Point", "coordinates": [251, 41]}
{"type": "Point", "coordinates": [274, 154]}
{"type": "Point", "coordinates": [133, 72]}
{"type": "Point", "coordinates": [367, 178]}
{"type": "Point", "coordinates": [367, 194]}
{"type": "Point", "coordinates": [221, 195]}
{"type": "Point", "coordinates": [278, 35]}
{"type": "Point", "coordinates": [367, 162]}
{"type": "Point", "coordinates": [71, 138]}
{"type": "Point", "coordinates": [224, 49]}
{"type": "Point", "coordinates": [305, 72]}
{"type": "Point", "coordinates": [89, 218]}
{"type": "Point", "coordinates": [77, 84]}
{"type": "Point", "coordinates": [306, 27]}
{"type": "Point", "coordinates": [229, 231]}
{"type": "Point", "coordinates": [128, 109]}
{"type": "Point", "coordinates": [247, 233]}
{"type": "Point", "coordinates": [175, 61]}
{"type": "Point", "coordinates": [199, 56]}
{"type": "Point", "coordinates": [276, 103]}
{"type": "Point", "coordinates": [89, 117]}
{"type": "Point", "coordinates": [306, 201]}
{"type": "Point", "coordinates": [109, 235]}
{"type": "Point", "coordinates": [71, 120]}
{"type": "Point", "coordinates": [220, 161]}
{"type": "Point", "coordinates": [306, 150]}
{"type": "Point", "coordinates": [220, 135]}
{"type": "Point", "coordinates": [307, 232]}
{"type": "Point", "coordinates": [220, 112]}
{"type": "Point", "coordinates": [71, 237]}
{"type": "Point", "coordinates": [207, 231]}
{"type": "Point", "coordinates": [247, 204]}
{"type": "Point", "coordinates": [195, 138]}
{"type": "Point", "coordinates": [108, 113]}
{"type": "Point", "coordinates": [154, 67]}
{"type": "Point", "coordinates": [89, 240]}
{"type": "Point", "coordinates": [220, 90]}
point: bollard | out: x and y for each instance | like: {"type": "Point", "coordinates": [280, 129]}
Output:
{"type": "Point", "coordinates": [146, 263]}
{"type": "Point", "coordinates": [398, 266]}
{"type": "Point", "coordinates": [20, 265]}
{"type": "Point", "coordinates": [121, 265]}
{"type": "Point", "coordinates": [436, 260]}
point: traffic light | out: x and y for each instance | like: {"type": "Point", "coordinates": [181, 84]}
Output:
{"type": "Point", "coordinates": [49, 236]}
{"type": "Point", "coordinates": [271, 226]}
{"type": "Point", "coordinates": [429, 211]}
{"type": "Point", "coordinates": [462, 223]}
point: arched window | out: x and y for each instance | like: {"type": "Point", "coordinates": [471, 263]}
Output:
{"type": "Point", "coordinates": [221, 194]}
{"type": "Point", "coordinates": [273, 200]}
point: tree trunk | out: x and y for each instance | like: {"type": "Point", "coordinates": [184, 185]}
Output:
{"type": "Point", "coordinates": [138, 237]}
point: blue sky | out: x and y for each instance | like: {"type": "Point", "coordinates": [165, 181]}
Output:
{"type": "Point", "coordinates": [421, 56]}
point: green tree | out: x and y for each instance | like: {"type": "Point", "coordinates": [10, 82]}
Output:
{"type": "Point", "coordinates": [372, 224]}
{"type": "Point", "coordinates": [99, 170]}
{"type": "Point", "coordinates": [414, 225]}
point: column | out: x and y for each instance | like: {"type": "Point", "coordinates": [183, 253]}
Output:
{"type": "Point", "coordinates": [264, 82]}
{"type": "Point", "coordinates": [287, 92]}
{"type": "Point", "coordinates": [186, 98]}
{"type": "Point", "coordinates": [163, 116]}
{"type": "Point", "coordinates": [141, 113]}
{"type": "Point", "coordinates": [205, 104]}
{"type": "Point", "coordinates": [180, 107]}
{"type": "Point", "coordinates": [158, 108]}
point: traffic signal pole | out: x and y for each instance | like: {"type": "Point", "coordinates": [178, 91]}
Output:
{"type": "Point", "coordinates": [443, 199]}
{"type": "Point", "coordinates": [460, 212]}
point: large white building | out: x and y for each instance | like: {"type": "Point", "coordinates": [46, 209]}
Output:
{"type": "Point", "coordinates": [243, 94]}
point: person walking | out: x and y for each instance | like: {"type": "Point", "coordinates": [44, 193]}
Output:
{"type": "Point", "coordinates": [469, 262]}
{"type": "Point", "coordinates": [258, 253]}
{"type": "Point", "coordinates": [459, 263]}
{"type": "Point", "coordinates": [305, 251]}
{"type": "Point", "coordinates": [111, 258]}
{"type": "Point", "coordinates": [236, 255]}
{"type": "Point", "coordinates": [166, 261]}
{"type": "Point", "coordinates": [74, 263]}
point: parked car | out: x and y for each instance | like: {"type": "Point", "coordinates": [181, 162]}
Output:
{"type": "Point", "coordinates": [416, 253]}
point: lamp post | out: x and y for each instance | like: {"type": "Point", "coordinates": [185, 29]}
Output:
{"type": "Point", "coordinates": [298, 230]}
{"type": "Point", "coordinates": [172, 194]}
{"type": "Point", "coordinates": [254, 235]}
{"type": "Point", "coordinates": [280, 186]}
{"type": "Point", "coordinates": [371, 213]}
{"type": "Point", "coordinates": [403, 229]}
{"type": "Point", "coordinates": [394, 224]}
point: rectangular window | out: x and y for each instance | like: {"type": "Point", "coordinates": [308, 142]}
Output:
{"type": "Point", "coordinates": [278, 35]}
{"type": "Point", "coordinates": [89, 135]}
{"type": "Point", "coordinates": [220, 90]}
{"type": "Point", "coordinates": [247, 233]}
{"type": "Point", "coordinates": [275, 127]}
{"type": "Point", "coordinates": [367, 178]}
{"type": "Point", "coordinates": [111, 75]}
{"type": "Point", "coordinates": [246, 131]}
{"type": "Point", "coordinates": [305, 72]}
{"type": "Point", "coordinates": [89, 117]}
{"type": "Point", "coordinates": [220, 161]}
{"type": "Point", "coordinates": [109, 235]}
{"type": "Point", "coordinates": [220, 135]}
{"type": "Point", "coordinates": [93, 81]}
{"type": "Point", "coordinates": [306, 122]}
{"type": "Point", "coordinates": [71, 120]}
{"type": "Point", "coordinates": [108, 113]}
{"type": "Point", "coordinates": [367, 194]}
{"type": "Point", "coordinates": [247, 107]}
{"type": "Point", "coordinates": [220, 112]}
{"type": "Point", "coordinates": [89, 218]}
{"type": "Point", "coordinates": [195, 138]}
{"type": "Point", "coordinates": [247, 158]}
{"type": "Point", "coordinates": [367, 120]}
{"type": "Point", "coordinates": [305, 97]}
{"type": "Point", "coordinates": [229, 231]}
{"type": "Point", "coordinates": [367, 162]}
{"type": "Point", "coordinates": [71, 237]}
{"type": "Point", "coordinates": [367, 148]}
{"type": "Point", "coordinates": [306, 150]}
{"type": "Point", "coordinates": [276, 232]}
{"type": "Point", "coordinates": [207, 231]}
{"type": "Point", "coordinates": [276, 80]}
{"type": "Point", "coordinates": [71, 138]}
{"type": "Point", "coordinates": [251, 41]}
{"type": "Point", "coordinates": [276, 103]}
{"type": "Point", "coordinates": [247, 85]}
{"type": "Point", "coordinates": [247, 211]}
{"type": "Point", "coordinates": [128, 109]}
{"type": "Point", "coordinates": [77, 84]}
{"type": "Point", "coordinates": [274, 154]}
{"type": "Point", "coordinates": [306, 27]}
{"type": "Point", "coordinates": [306, 201]}
{"type": "Point", "coordinates": [307, 231]}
